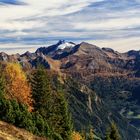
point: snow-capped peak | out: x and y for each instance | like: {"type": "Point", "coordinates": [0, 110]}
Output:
{"type": "Point", "coordinates": [65, 45]}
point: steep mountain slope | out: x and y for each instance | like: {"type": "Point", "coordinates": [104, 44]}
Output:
{"type": "Point", "coordinates": [91, 60]}
{"type": "Point", "coordinates": [90, 107]}
{"type": "Point", "coordinates": [105, 84]}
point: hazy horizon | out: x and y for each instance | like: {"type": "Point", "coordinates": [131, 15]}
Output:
{"type": "Point", "coordinates": [9, 49]}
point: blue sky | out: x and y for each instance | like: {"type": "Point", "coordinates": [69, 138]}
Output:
{"type": "Point", "coordinates": [29, 24]}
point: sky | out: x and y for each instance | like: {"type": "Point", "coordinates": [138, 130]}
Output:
{"type": "Point", "coordinates": [26, 25]}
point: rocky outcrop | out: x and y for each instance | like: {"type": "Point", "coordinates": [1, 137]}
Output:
{"type": "Point", "coordinates": [40, 60]}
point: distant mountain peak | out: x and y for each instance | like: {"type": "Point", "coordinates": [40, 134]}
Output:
{"type": "Point", "coordinates": [58, 50]}
{"type": "Point", "coordinates": [65, 45]}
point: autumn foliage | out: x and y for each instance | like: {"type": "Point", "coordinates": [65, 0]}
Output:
{"type": "Point", "coordinates": [76, 136]}
{"type": "Point", "coordinates": [17, 84]}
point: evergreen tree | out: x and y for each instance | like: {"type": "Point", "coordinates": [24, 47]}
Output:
{"type": "Point", "coordinates": [113, 133]}
{"type": "Point", "coordinates": [3, 102]}
{"type": "Point", "coordinates": [2, 84]}
{"type": "Point", "coordinates": [49, 101]}
{"type": "Point", "coordinates": [9, 115]}
{"type": "Point", "coordinates": [41, 92]}
{"type": "Point", "coordinates": [107, 136]}
{"type": "Point", "coordinates": [17, 113]}
{"type": "Point", "coordinates": [63, 120]}
{"type": "Point", "coordinates": [42, 128]}
{"type": "Point", "coordinates": [91, 134]}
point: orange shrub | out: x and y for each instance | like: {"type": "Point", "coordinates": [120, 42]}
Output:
{"type": "Point", "coordinates": [76, 136]}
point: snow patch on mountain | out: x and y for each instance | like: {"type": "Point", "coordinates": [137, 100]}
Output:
{"type": "Point", "coordinates": [65, 45]}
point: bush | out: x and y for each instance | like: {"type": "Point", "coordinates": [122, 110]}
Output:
{"type": "Point", "coordinates": [17, 114]}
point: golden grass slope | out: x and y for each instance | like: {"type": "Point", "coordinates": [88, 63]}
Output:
{"type": "Point", "coordinates": [9, 132]}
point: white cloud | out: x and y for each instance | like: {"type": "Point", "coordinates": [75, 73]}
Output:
{"type": "Point", "coordinates": [11, 48]}
{"type": "Point", "coordinates": [121, 45]}
{"type": "Point", "coordinates": [71, 19]}
{"type": "Point", "coordinates": [21, 25]}
{"type": "Point", "coordinates": [109, 24]}
{"type": "Point", "coordinates": [12, 15]}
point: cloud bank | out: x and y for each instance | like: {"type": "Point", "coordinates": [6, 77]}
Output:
{"type": "Point", "coordinates": [28, 24]}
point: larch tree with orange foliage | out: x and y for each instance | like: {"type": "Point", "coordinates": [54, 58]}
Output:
{"type": "Point", "coordinates": [17, 84]}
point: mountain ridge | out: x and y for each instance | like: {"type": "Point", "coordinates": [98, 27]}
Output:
{"type": "Point", "coordinates": [102, 56]}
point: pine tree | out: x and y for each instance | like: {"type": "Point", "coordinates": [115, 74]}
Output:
{"type": "Point", "coordinates": [42, 128]}
{"type": "Point", "coordinates": [3, 102]}
{"type": "Point", "coordinates": [41, 92]}
{"type": "Point", "coordinates": [91, 134]}
{"type": "Point", "coordinates": [65, 124]}
{"type": "Point", "coordinates": [49, 101]}
{"type": "Point", "coordinates": [113, 133]}
{"type": "Point", "coordinates": [107, 136]}
{"type": "Point", "coordinates": [2, 84]}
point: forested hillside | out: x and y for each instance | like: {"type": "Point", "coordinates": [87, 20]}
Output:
{"type": "Point", "coordinates": [38, 102]}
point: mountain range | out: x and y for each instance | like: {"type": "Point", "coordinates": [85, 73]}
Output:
{"type": "Point", "coordinates": [103, 85]}
{"type": "Point", "coordinates": [81, 57]}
